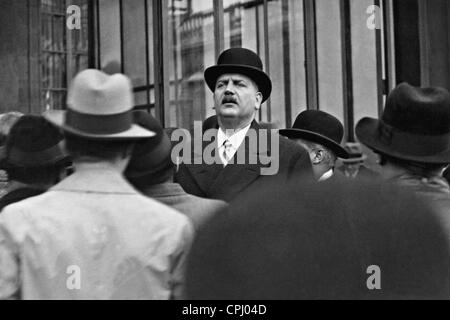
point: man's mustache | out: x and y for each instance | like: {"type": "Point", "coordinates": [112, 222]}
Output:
{"type": "Point", "coordinates": [229, 99]}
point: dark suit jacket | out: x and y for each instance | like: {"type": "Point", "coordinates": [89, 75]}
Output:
{"type": "Point", "coordinates": [216, 182]}
{"type": "Point", "coordinates": [198, 210]}
{"type": "Point", "coordinates": [18, 195]}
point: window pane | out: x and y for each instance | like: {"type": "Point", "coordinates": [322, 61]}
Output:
{"type": "Point", "coordinates": [297, 58]}
{"type": "Point", "coordinates": [329, 57]}
{"type": "Point", "coordinates": [64, 51]}
{"type": "Point", "coordinates": [59, 33]}
{"type": "Point", "coordinates": [244, 27]}
{"type": "Point", "coordinates": [53, 35]}
{"type": "Point", "coordinates": [191, 49]}
{"type": "Point", "coordinates": [53, 6]}
{"type": "Point", "coordinates": [109, 25]}
{"type": "Point", "coordinates": [140, 99]}
{"type": "Point", "coordinates": [278, 60]}
{"type": "Point", "coordinates": [80, 40]}
{"type": "Point", "coordinates": [364, 62]}
{"type": "Point", "coordinates": [151, 64]}
{"type": "Point", "coordinates": [134, 42]}
{"type": "Point", "coordinates": [287, 60]}
{"type": "Point", "coordinates": [240, 17]}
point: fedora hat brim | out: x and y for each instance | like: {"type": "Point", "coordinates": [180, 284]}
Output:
{"type": "Point", "coordinates": [260, 77]}
{"type": "Point", "coordinates": [367, 131]}
{"type": "Point", "coordinates": [317, 138]}
{"type": "Point", "coordinates": [58, 118]}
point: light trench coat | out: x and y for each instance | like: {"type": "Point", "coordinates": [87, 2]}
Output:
{"type": "Point", "coordinates": [92, 237]}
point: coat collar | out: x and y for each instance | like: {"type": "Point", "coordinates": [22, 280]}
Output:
{"type": "Point", "coordinates": [437, 183]}
{"type": "Point", "coordinates": [164, 190]}
{"type": "Point", "coordinates": [99, 177]}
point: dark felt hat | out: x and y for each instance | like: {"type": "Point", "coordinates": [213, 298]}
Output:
{"type": "Point", "coordinates": [241, 61]}
{"type": "Point", "coordinates": [32, 143]}
{"type": "Point", "coordinates": [320, 127]}
{"type": "Point", "coordinates": [150, 155]}
{"type": "Point", "coordinates": [415, 125]}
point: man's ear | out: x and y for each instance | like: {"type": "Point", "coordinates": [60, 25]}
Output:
{"type": "Point", "coordinates": [381, 160]}
{"type": "Point", "coordinates": [319, 155]}
{"type": "Point", "coordinates": [258, 100]}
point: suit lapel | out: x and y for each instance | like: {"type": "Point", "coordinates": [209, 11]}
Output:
{"type": "Point", "coordinates": [204, 174]}
{"type": "Point", "coordinates": [236, 177]}
{"type": "Point", "coordinates": [216, 181]}
{"type": "Point", "coordinates": [233, 179]}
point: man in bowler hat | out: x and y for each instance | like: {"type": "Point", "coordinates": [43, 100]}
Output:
{"type": "Point", "coordinates": [240, 87]}
{"type": "Point", "coordinates": [412, 139]}
{"type": "Point", "coordinates": [34, 159]}
{"type": "Point", "coordinates": [93, 236]}
{"type": "Point", "coordinates": [321, 135]}
{"type": "Point", "coordinates": [151, 171]}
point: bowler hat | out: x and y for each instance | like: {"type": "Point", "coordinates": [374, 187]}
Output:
{"type": "Point", "coordinates": [415, 125]}
{"type": "Point", "coordinates": [241, 61]}
{"type": "Point", "coordinates": [149, 155]}
{"type": "Point", "coordinates": [33, 143]}
{"type": "Point", "coordinates": [99, 107]}
{"type": "Point", "coordinates": [320, 127]}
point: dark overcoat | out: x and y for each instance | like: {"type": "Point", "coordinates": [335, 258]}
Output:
{"type": "Point", "coordinates": [214, 181]}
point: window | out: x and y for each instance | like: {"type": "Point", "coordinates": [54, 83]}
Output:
{"type": "Point", "coordinates": [329, 57]}
{"type": "Point", "coordinates": [126, 45]}
{"type": "Point", "coordinates": [319, 54]}
{"type": "Point", "coordinates": [191, 50]}
{"type": "Point", "coordinates": [64, 52]}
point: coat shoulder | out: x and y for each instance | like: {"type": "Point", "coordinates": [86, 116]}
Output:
{"type": "Point", "coordinates": [291, 147]}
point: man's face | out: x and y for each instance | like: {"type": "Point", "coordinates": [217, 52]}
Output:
{"type": "Point", "coordinates": [236, 97]}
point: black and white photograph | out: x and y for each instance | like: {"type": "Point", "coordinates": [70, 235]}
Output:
{"type": "Point", "coordinates": [226, 154]}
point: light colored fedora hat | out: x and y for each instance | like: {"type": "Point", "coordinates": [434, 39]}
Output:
{"type": "Point", "coordinates": [99, 107]}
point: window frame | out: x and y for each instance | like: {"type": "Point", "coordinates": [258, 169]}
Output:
{"type": "Point", "coordinates": [68, 53]}
{"type": "Point", "coordinates": [161, 53]}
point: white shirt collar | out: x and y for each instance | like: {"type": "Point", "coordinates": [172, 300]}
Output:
{"type": "Point", "coordinates": [235, 139]}
{"type": "Point", "coordinates": [327, 175]}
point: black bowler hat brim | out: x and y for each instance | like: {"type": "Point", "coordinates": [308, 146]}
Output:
{"type": "Point", "coordinates": [58, 160]}
{"type": "Point", "coordinates": [317, 138]}
{"type": "Point", "coordinates": [367, 131]}
{"type": "Point", "coordinates": [57, 118]}
{"type": "Point", "coordinates": [260, 77]}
